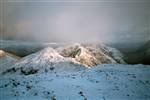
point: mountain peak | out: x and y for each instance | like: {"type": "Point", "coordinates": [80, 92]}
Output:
{"type": "Point", "coordinates": [91, 54]}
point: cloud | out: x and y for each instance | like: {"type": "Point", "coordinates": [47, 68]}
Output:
{"type": "Point", "coordinates": [77, 21]}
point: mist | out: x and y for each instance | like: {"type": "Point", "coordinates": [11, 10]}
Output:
{"type": "Point", "coordinates": [76, 21]}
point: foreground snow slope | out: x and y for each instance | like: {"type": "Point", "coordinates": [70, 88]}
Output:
{"type": "Point", "coordinates": [103, 82]}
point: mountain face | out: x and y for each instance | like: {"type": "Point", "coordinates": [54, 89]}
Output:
{"type": "Point", "coordinates": [71, 57]}
{"type": "Point", "coordinates": [110, 52]}
{"type": "Point", "coordinates": [90, 55]}
{"type": "Point", "coordinates": [7, 60]}
{"type": "Point", "coordinates": [46, 60]}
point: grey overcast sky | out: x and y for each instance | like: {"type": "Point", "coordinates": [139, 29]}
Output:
{"type": "Point", "coordinates": [108, 21]}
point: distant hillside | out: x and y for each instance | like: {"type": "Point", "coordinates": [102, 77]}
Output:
{"type": "Point", "coordinates": [145, 53]}
{"type": "Point", "coordinates": [7, 60]}
{"type": "Point", "coordinates": [23, 49]}
{"type": "Point", "coordinates": [140, 55]}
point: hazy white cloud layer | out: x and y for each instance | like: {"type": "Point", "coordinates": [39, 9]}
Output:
{"type": "Point", "coordinates": [74, 21]}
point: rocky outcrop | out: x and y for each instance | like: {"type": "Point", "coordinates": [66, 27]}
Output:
{"type": "Point", "coordinates": [90, 55]}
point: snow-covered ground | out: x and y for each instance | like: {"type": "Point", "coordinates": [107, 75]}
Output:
{"type": "Point", "coordinates": [103, 82]}
{"type": "Point", "coordinates": [75, 72]}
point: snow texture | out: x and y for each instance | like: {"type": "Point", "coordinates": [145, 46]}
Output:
{"type": "Point", "coordinates": [102, 82]}
{"type": "Point", "coordinates": [60, 74]}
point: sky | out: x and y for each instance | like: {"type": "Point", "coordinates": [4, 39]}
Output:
{"type": "Point", "coordinates": [108, 21]}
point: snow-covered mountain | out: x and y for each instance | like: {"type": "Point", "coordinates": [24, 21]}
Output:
{"type": "Point", "coordinates": [63, 74]}
{"type": "Point", "coordinates": [71, 57]}
{"type": "Point", "coordinates": [90, 54]}
{"type": "Point", "coordinates": [7, 60]}
{"type": "Point", "coordinates": [44, 61]}
{"type": "Point", "coordinates": [110, 52]}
